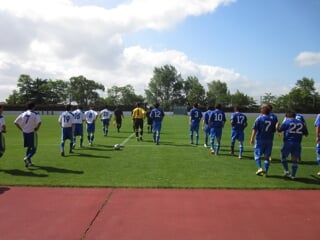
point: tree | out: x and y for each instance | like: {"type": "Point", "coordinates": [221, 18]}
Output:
{"type": "Point", "coordinates": [218, 93]}
{"type": "Point", "coordinates": [268, 98]}
{"type": "Point", "coordinates": [242, 100]}
{"type": "Point", "coordinates": [122, 96]}
{"type": "Point", "coordinates": [165, 87]}
{"type": "Point", "coordinates": [56, 91]}
{"type": "Point", "coordinates": [84, 91]}
{"type": "Point", "coordinates": [301, 98]}
{"type": "Point", "coordinates": [194, 91]}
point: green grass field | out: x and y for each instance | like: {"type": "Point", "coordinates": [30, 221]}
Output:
{"type": "Point", "coordinates": [175, 163]}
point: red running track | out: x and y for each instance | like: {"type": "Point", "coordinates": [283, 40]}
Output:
{"type": "Point", "coordinates": [157, 214]}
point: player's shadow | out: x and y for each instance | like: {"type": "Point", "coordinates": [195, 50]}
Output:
{"type": "Point", "coordinates": [87, 155]}
{"type": "Point", "coordinates": [18, 172]}
{"type": "Point", "coordinates": [56, 170]}
{"type": "Point", "coordinates": [314, 180]}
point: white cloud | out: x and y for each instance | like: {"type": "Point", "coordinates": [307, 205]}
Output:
{"type": "Point", "coordinates": [55, 39]}
{"type": "Point", "coordinates": [308, 58]}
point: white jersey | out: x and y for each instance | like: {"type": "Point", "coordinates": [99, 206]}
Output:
{"type": "Point", "coordinates": [28, 121]}
{"type": "Point", "coordinates": [2, 123]}
{"type": "Point", "coordinates": [66, 119]}
{"type": "Point", "coordinates": [78, 116]}
{"type": "Point", "coordinates": [90, 115]}
{"type": "Point", "coordinates": [105, 114]}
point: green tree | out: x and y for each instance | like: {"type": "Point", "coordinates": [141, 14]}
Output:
{"type": "Point", "coordinates": [218, 93]}
{"type": "Point", "coordinates": [84, 91]}
{"type": "Point", "coordinates": [56, 91]}
{"type": "Point", "coordinates": [268, 98]}
{"type": "Point", "coordinates": [194, 91]}
{"type": "Point", "coordinates": [123, 96]}
{"type": "Point", "coordinates": [165, 87]}
{"type": "Point", "coordinates": [242, 100]}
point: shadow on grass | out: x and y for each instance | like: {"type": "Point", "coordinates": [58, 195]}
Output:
{"type": "Point", "coordinates": [4, 189]}
{"type": "Point", "coordinates": [18, 172]}
{"type": "Point", "coordinates": [90, 155]}
{"type": "Point", "coordinates": [56, 170]}
{"type": "Point", "coordinates": [313, 180]}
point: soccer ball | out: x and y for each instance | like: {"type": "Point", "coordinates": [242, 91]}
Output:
{"type": "Point", "coordinates": [116, 147]}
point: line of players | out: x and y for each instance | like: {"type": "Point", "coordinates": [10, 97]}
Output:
{"type": "Point", "coordinates": [293, 128]}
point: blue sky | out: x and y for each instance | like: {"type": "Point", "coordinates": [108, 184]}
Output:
{"type": "Point", "coordinates": [256, 47]}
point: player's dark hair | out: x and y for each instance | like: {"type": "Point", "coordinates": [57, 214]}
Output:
{"type": "Point", "coordinates": [195, 104]}
{"type": "Point", "coordinates": [217, 106]}
{"type": "Point", "coordinates": [30, 105]}
{"type": "Point", "coordinates": [156, 105]}
{"type": "Point", "coordinates": [290, 114]}
{"type": "Point", "coordinates": [265, 109]}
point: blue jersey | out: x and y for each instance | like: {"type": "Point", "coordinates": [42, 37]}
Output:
{"type": "Point", "coordinates": [265, 127]}
{"type": "Point", "coordinates": [206, 117]}
{"type": "Point", "coordinates": [217, 118]}
{"type": "Point", "coordinates": [293, 130]}
{"type": "Point", "coordinates": [195, 115]}
{"type": "Point", "coordinates": [238, 121]}
{"type": "Point", "coordinates": [156, 114]}
{"type": "Point", "coordinates": [317, 121]}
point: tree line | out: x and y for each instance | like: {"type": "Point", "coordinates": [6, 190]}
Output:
{"type": "Point", "coordinates": [166, 87]}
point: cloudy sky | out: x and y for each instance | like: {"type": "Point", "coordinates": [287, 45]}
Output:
{"type": "Point", "coordinates": [254, 46]}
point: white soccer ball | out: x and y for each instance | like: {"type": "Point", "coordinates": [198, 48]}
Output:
{"type": "Point", "coordinates": [117, 147]}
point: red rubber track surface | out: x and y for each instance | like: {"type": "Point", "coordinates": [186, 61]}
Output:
{"type": "Point", "coordinates": [105, 213]}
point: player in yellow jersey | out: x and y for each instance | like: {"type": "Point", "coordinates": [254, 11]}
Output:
{"type": "Point", "coordinates": [138, 115]}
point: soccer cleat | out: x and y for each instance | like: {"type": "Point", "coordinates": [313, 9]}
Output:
{"type": "Point", "coordinates": [259, 172]}
{"type": "Point", "coordinates": [212, 151]}
{"type": "Point", "coordinates": [318, 173]}
{"type": "Point", "coordinates": [62, 154]}
{"type": "Point", "coordinates": [73, 146]}
{"type": "Point", "coordinates": [265, 175]}
{"type": "Point", "coordinates": [141, 138]}
{"type": "Point", "coordinates": [232, 153]}
{"type": "Point", "coordinates": [205, 145]}
{"type": "Point", "coordinates": [286, 174]}
{"type": "Point", "coordinates": [27, 162]}
{"type": "Point", "coordinates": [293, 177]}
{"type": "Point", "coordinates": [240, 157]}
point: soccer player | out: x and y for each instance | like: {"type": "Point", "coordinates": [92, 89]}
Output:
{"type": "Point", "coordinates": [205, 126]}
{"type": "Point", "coordinates": [119, 116]}
{"type": "Point", "coordinates": [105, 116]}
{"type": "Point", "coordinates": [194, 122]}
{"type": "Point", "coordinates": [293, 130]}
{"type": "Point", "coordinates": [3, 129]}
{"type": "Point", "coordinates": [29, 123]}
{"type": "Point", "coordinates": [157, 116]}
{"type": "Point", "coordinates": [66, 121]}
{"type": "Point", "coordinates": [262, 138]}
{"type": "Point", "coordinates": [317, 125]}
{"type": "Point", "coordinates": [91, 117]}
{"type": "Point", "coordinates": [79, 118]}
{"type": "Point", "coordinates": [149, 120]}
{"type": "Point", "coordinates": [217, 119]}
{"type": "Point", "coordinates": [238, 124]}
{"type": "Point", "coordinates": [138, 115]}
{"type": "Point", "coordinates": [300, 117]}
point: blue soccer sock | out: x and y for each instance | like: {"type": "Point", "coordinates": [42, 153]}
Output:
{"type": "Point", "coordinates": [240, 149]}
{"type": "Point", "coordinates": [258, 162]}
{"type": "Point", "coordinates": [294, 168]}
{"type": "Point", "coordinates": [285, 164]}
{"type": "Point", "coordinates": [266, 165]}
{"type": "Point", "coordinates": [232, 147]}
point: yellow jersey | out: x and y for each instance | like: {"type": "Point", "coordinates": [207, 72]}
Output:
{"type": "Point", "coordinates": [138, 113]}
